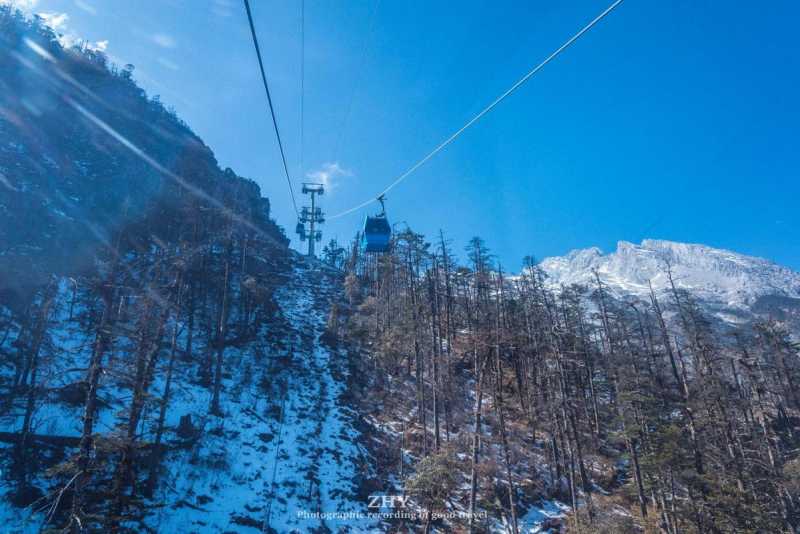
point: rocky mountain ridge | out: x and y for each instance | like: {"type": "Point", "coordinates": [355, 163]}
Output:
{"type": "Point", "coordinates": [735, 286]}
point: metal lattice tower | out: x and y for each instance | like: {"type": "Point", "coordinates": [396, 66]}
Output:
{"type": "Point", "coordinates": [310, 217]}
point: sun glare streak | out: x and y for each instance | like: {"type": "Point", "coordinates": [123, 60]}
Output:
{"type": "Point", "coordinates": [65, 76]}
{"type": "Point", "coordinates": [33, 45]}
{"type": "Point", "coordinates": [192, 189]}
{"type": "Point", "coordinates": [109, 130]}
{"type": "Point", "coordinates": [4, 181]}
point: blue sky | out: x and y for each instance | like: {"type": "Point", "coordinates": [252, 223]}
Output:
{"type": "Point", "coordinates": [670, 120]}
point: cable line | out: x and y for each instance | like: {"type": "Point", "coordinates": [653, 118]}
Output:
{"type": "Point", "coordinates": [486, 110]}
{"type": "Point", "coordinates": [356, 80]}
{"type": "Point", "coordinates": [302, 86]}
{"type": "Point", "coordinates": [271, 108]}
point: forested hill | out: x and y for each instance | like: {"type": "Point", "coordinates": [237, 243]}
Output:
{"type": "Point", "coordinates": [160, 364]}
{"type": "Point", "coordinates": [167, 364]}
{"type": "Point", "coordinates": [88, 160]}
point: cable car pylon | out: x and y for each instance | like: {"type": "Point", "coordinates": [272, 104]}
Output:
{"type": "Point", "coordinates": [311, 216]}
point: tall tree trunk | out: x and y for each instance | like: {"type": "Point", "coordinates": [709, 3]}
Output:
{"type": "Point", "coordinates": [222, 332]}
{"type": "Point", "coordinates": [433, 296]}
{"type": "Point", "coordinates": [155, 455]}
{"type": "Point", "coordinates": [33, 360]}
{"type": "Point", "coordinates": [476, 439]}
{"type": "Point", "coordinates": [147, 352]}
{"type": "Point", "coordinates": [102, 343]}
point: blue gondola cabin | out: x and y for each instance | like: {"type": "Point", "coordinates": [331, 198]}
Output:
{"type": "Point", "coordinates": [377, 234]}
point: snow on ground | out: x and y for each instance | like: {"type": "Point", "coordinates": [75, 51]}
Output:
{"type": "Point", "coordinates": [284, 457]}
{"type": "Point", "coordinates": [52, 417]}
{"type": "Point", "coordinates": [533, 522]}
{"type": "Point", "coordinates": [283, 462]}
{"type": "Point", "coordinates": [284, 454]}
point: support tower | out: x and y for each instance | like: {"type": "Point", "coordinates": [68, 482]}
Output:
{"type": "Point", "coordinates": [310, 217]}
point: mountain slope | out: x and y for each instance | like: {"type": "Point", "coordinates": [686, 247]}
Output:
{"type": "Point", "coordinates": [85, 153]}
{"type": "Point", "coordinates": [168, 365]}
{"type": "Point", "coordinates": [161, 367]}
{"type": "Point", "coordinates": [287, 444]}
{"type": "Point", "coordinates": [284, 444]}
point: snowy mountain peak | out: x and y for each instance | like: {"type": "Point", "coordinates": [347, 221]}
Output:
{"type": "Point", "coordinates": [585, 255]}
{"type": "Point", "coordinates": [720, 275]}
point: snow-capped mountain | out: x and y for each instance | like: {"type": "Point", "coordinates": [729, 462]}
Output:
{"type": "Point", "coordinates": [728, 280]}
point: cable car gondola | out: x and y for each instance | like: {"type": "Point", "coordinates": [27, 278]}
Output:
{"type": "Point", "coordinates": [377, 231]}
{"type": "Point", "coordinates": [301, 231]}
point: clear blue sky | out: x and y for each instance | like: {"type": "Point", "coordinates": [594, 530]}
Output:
{"type": "Point", "coordinates": [672, 120]}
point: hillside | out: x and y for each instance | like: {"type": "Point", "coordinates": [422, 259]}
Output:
{"type": "Point", "coordinates": [85, 155]}
{"type": "Point", "coordinates": [168, 364]}
{"type": "Point", "coordinates": [160, 359]}
{"type": "Point", "coordinates": [573, 398]}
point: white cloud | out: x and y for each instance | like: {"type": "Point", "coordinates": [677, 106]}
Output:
{"type": "Point", "coordinates": [86, 6]}
{"type": "Point", "coordinates": [25, 6]}
{"type": "Point", "coordinates": [99, 46]}
{"type": "Point", "coordinates": [167, 64]}
{"type": "Point", "coordinates": [222, 8]}
{"type": "Point", "coordinates": [56, 21]}
{"type": "Point", "coordinates": [163, 40]}
{"type": "Point", "coordinates": [328, 175]}
{"type": "Point", "coordinates": [59, 23]}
